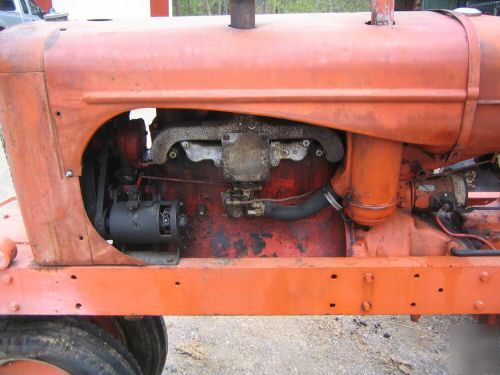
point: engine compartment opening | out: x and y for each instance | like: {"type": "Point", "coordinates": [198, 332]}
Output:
{"type": "Point", "coordinates": [205, 184]}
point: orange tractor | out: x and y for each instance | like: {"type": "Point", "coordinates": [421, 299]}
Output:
{"type": "Point", "coordinates": [300, 164]}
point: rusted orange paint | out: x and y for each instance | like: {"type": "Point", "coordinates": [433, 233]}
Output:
{"type": "Point", "coordinates": [257, 286]}
{"type": "Point", "coordinates": [406, 100]}
{"type": "Point", "coordinates": [399, 94]}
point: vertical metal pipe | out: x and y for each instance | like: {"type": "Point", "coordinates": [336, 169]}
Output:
{"type": "Point", "coordinates": [382, 12]}
{"type": "Point", "coordinates": [242, 14]}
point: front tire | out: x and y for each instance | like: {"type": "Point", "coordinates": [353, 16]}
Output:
{"type": "Point", "coordinates": [73, 345]}
{"type": "Point", "coordinates": [146, 338]}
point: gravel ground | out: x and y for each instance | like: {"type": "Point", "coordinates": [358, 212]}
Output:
{"type": "Point", "coordinates": [301, 345]}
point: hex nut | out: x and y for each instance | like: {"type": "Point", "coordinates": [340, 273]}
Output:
{"type": "Point", "coordinates": [369, 277]}
{"type": "Point", "coordinates": [485, 276]}
{"type": "Point", "coordinates": [366, 306]}
{"type": "Point", "coordinates": [479, 305]}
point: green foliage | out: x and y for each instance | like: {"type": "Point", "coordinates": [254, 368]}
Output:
{"type": "Point", "coordinates": [203, 7]}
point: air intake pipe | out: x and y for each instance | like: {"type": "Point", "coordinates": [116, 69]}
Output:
{"type": "Point", "coordinates": [243, 13]}
{"type": "Point", "coordinates": [368, 181]}
{"type": "Point", "coordinates": [382, 12]}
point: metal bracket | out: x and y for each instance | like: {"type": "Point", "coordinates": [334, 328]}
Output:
{"type": "Point", "coordinates": [157, 258]}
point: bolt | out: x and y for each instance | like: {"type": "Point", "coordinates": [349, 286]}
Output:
{"type": "Point", "coordinates": [479, 305]}
{"type": "Point", "coordinates": [182, 220]}
{"type": "Point", "coordinates": [217, 163]}
{"type": "Point", "coordinates": [259, 212]}
{"type": "Point", "coordinates": [485, 276]}
{"type": "Point", "coordinates": [319, 152]}
{"type": "Point", "coordinates": [185, 144]}
{"type": "Point", "coordinates": [172, 154]}
{"type": "Point", "coordinates": [69, 174]}
{"type": "Point", "coordinates": [226, 137]}
{"type": "Point", "coordinates": [14, 306]}
{"type": "Point", "coordinates": [306, 143]}
{"type": "Point", "coordinates": [274, 163]}
{"type": "Point", "coordinates": [202, 209]}
{"type": "Point", "coordinates": [7, 279]}
{"type": "Point", "coordinates": [369, 277]}
{"type": "Point", "coordinates": [284, 152]}
{"type": "Point", "coordinates": [366, 306]}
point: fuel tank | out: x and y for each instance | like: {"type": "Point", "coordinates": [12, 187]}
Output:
{"type": "Point", "coordinates": [409, 82]}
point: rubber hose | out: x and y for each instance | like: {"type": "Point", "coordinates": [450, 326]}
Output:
{"type": "Point", "coordinates": [301, 210]}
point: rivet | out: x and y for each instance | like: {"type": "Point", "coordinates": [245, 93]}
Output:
{"type": "Point", "coordinates": [14, 306]}
{"type": "Point", "coordinates": [69, 174]}
{"type": "Point", "coordinates": [369, 277]}
{"type": "Point", "coordinates": [366, 306]}
{"type": "Point", "coordinates": [7, 279]}
{"type": "Point", "coordinates": [485, 276]}
{"type": "Point", "coordinates": [479, 305]}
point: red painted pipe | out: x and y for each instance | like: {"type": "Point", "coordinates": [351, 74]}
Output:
{"type": "Point", "coordinates": [382, 12]}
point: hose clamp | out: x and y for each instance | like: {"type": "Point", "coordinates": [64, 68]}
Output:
{"type": "Point", "coordinates": [332, 200]}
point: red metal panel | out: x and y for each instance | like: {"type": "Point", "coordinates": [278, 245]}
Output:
{"type": "Point", "coordinates": [159, 8]}
{"type": "Point", "coordinates": [256, 286]}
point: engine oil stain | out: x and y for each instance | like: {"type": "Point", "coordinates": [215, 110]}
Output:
{"type": "Point", "coordinates": [220, 245]}
{"type": "Point", "coordinates": [301, 248]}
{"type": "Point", "coordinates": [258, 243]}
{"type": "Point", "coordinates": [241, 248]}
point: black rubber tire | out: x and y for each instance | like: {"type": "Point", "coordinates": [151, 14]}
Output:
{"type": "Point", "coordinates": [74, 345]}
{"type": "Point", "coordinates": [146, 338]}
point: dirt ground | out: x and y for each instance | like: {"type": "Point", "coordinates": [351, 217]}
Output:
{"type": "Point", "coordinates": [301, 345]}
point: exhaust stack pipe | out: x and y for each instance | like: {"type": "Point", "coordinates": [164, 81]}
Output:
{"type": "Point", "coordinates": [382, 12]}
{"type": "Point", "coordinates": [242, 14]}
